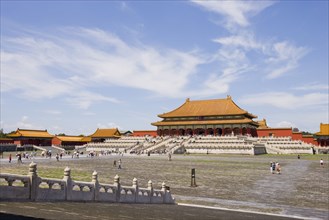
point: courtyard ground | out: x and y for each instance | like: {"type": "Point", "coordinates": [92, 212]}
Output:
{"type": "Point", "coordinates": [240, 182]}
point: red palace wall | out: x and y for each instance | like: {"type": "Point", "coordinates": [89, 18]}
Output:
{"type": "Point", "coordinates": [34, 141]}
{"type": "Point", "coordinates": [56, 141]}
{"type": "Point", "coordinates": [285, 132]}
{"type": "Point", "coordinates": [310, 140]}
{"type": "Point", "coordinates": [143, 133]}
{"type": "Point", "coordinates": [281, 132]}
{"type": "Point", "coordinates": [297, 136]}
{"type": "Point", "coordinates": [6, 141]}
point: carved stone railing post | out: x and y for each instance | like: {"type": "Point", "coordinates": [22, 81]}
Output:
{"type": "Point", "coordinates": [135, 186]}
{"type": "Point", "coordinates": [68, 183]}
{"type": "Point", "coordinates": [96, 185]}
{"type": "Point", "coordinates": [34, 181]}
{"type": "Point", "coordinates": [164, 192]}
{"type": "Point", "coordinates": [118, 188]}
{"type": "Point", "coordinates": [150, 187]}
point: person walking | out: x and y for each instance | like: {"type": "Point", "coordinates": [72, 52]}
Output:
{"type": "Point", "coordinates": [321, 162]}
{"type": "Point", "coordinates": [19, 158]}
{"type": "Point", "coordinates": [278, 168]}
{"type": "Point", "coordinates": [273, 167]}
{"type": "Point", "coordinates": [119, 167]}
{"type": "Point", "coordinates": [9, 158]}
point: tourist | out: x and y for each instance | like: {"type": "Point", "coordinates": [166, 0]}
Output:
{"type": "Point", "coordinates": [114, 163]}
{"type": "Point", "coordinates": [169, 157]}
{"type": "Point", "coordinates": [57, 157]}
{"type": "Point", "coordinates": [19, 158]}
{"type": "Point", "coordinates": [278, 168]}
{"type": "Point", "coordinates": [321, 162]}
{"type": "Point", "coordinates": [119, 167]}
{"type": "Point", "coordinates": [273, 167]}
{"type": "Point", "coordinates": [9, 158]}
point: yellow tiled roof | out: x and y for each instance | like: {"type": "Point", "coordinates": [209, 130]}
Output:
{"type": "Point", "coordinates": [71, 138]}
{"type": "Point", "coordinates": [204, 122]}
{"type": "Point", "coordinates": [103, 133]}
{"type": "Point", "coordinates": [262, 124]}
{"type": "Point", "coordinates": [6, 139]}
{"type": "Point", "coordinates": [274, 128]}
{"type": "Point", "coordinates": [86, 139]}
{"type": "Point", "coordinates": [207, 108]}
{"type": "Point", "coordinates": [31, 133]}
{"type": "Point", "coordinates": [324, 130]}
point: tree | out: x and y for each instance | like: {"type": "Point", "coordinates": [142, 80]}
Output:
{"type": "Point", "coordinates": [2, 135]}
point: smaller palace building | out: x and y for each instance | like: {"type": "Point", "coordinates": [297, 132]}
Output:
{"type": "Point", "coordinates": [322, 136]}
{"type": "Point", "coordinates": [207, 117]}
{"type": "Point", "coordinates": [31, 137]}
{"type": "Point", "coordinates": [70, 140]}
{"type": "Point", "coordinates": [101, 134]}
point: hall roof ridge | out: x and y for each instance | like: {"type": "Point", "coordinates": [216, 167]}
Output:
{"type": "Point", "coordinates": [31, 133]}
{"type": "Point", "coordinates": [209, 107]}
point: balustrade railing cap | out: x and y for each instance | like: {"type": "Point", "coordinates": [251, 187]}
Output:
{"type": "Point", "coordinates": [116, 178]}
{"type": "Point", "coordinates": [32, 164]}
{"type": "Point", "coordinates": [95, 173]}
{"type": "Point", "coordinates": [67, 169]}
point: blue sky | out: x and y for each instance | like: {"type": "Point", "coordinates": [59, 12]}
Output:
{"type": "Point", "coordinates": [75, 66]}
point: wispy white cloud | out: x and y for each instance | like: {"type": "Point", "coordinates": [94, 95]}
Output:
{"type": "Point", "coordinates": [125, 7]}
{"type": "Point", "coordinates": [245, 40]}
{"type": "Point", "coordinates": [25, 123]}
{"type": "Point", "coordinates": [84, 99]}
{"type": "Point", "coordinates": [312, 86]}
{"type": "Point", "coordinates": [275, 59]}
{"type": "Point", "coordinates": [285, 124]}
{"type": "Point", "coordinates": [88, 113]}
{"type": "Point", "coordinates": [235, 13]}
{"type": "Point", "coordinates": [108, 125]}
{"type": "Point", "coordinates": [284, 58]}
{"type": "Point", "coordinates": [285, 100]}
{"type": "Point", "coordinates": [53, 112]}
{"type": "Point", "coordinates": [72, 61]}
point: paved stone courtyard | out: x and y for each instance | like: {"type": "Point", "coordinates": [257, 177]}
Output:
{"type": "Point", "coordinates": [225, 181]}
{"type": "Point", "coordinates": [100, 211]}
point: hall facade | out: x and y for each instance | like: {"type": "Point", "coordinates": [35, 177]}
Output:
{"type": "Point", "coordinates": [207, 117]}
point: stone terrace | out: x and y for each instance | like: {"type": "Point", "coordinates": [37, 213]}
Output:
{"type": "Point", "coordinates": [226, 181]}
